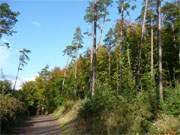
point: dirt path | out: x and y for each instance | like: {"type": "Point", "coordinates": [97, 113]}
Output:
{"type": "Point", "coordinates": [41, 125]}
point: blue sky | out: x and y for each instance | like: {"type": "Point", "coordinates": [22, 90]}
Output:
{"type": "Point", "coordinates": [46, 27]}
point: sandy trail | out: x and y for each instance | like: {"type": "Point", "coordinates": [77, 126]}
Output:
{"type": "Point", "coordinates": [41, 125]}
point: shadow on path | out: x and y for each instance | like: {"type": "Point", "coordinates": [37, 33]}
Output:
{"type": "Point", "coordinates": [39, 125]}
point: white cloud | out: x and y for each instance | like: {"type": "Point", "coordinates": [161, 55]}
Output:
{"type": "Point", "coordinates": [36, 23]}
{"type": "Point", "coordinates": [22, 80]}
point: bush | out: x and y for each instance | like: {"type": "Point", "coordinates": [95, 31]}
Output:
{"type": "Point", "coordinates": [117, 114]}
{"type": "Point", "coordinates": [5, 87]}
{"type": "Point", "coordinates": [10, 111]}
{"type": "Point", "coordinates": [171, 103]}
{"type": "Point", "coordinates": [166, 124]}
{"type": "Point", "coordinates": [141, 113]}
{"type": "Point", "coordinates": [106, 111]}
{"type": "Point", "coordinates": [67, 105]}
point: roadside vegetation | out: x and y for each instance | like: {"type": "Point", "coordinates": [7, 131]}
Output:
{"type": "Point", "coordinates": [12, 110]}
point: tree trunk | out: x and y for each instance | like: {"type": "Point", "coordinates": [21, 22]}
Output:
{"type": "Point", "coordinates": [160, 50]}
{"type": "Point", "coordinates": [117, 79]}
{"type": "Point", "coordinates": [152, 48]}
{"type": "Point", "coordinates": [75, 76]}
{"type": "Point", "coordinates": [92, 47]}
{"type": "Point", "coordinates": [91, 59]}
{"type": "Point", "coordinates": [14, 87]}
{"type": "Point", "coordinates": [94, 53]}
{"type": "Point", "coordinates": [109, 65]}
{"type": "Point", "coordinates": [129, 59]}
{"type": "Point", "coordinates": [138, 79]}
{"type": "Point", "coordinates": [119, 83]}
{"type": "Point", "coordinates": [63, 82]}
{"type": "Point", "coordinates": [173, 81]}
{"type": "Point", "coordinates": [65, 74]}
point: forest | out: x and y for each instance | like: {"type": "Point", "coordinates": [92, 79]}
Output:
{"type": "Point", "coordinates": [127, 82]}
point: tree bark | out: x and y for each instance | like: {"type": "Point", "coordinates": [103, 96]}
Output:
{"type": "Point", "coordinates": [119, 81]}
{"type": "Point", "coordinates": [94, 53]}
{"type": "Point", "coordinates": [92, 43]}
{"type": "Point", "coordinates": [91, 59]}
{"type": "Point", "coordinates": [65, 74]}
{"type": "Point", "coordinates": [109, 65]}
{"type": "Point", "coordinates": [75, 73]}
{"type": "Point", "coordinates": [138, 79]}
{"type": "Point", "coordinates": [129, 59]}
{"type": "Point", "coordinates": [152, 47]}
{"type": "Point", "coordinates": [14, 87]}
{"type": "Point", "coordinates": [159, 50]}
{"type": "Point", "coordinates": [63, 82]}
{"type": "Point", "coordinates": [75, 76]}
{"type": "Point", "coordinates": [173, 83]}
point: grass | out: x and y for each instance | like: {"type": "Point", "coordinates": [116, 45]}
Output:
{"type": "Point", "coordinates": [67, 117]}
{"type": "Point", "coordinates": [167, 124]}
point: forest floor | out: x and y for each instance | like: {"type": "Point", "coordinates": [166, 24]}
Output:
{"type": "Point", "coordinates": [40, 125]}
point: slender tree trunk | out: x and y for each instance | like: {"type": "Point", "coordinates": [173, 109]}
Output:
{"type": "Point", "coordinates": [120, 69]}
{"type": "Point", "coordinates": [92, 43]}
{"type": "Point", "coordinates": [119, 83]}
{"type": "Point", "coordinates": [174, 40]}
{"type": "Point", "coordinates": [91, 60]}
{"type": "Point", "coordinates": [109, 65]}
{"type": "Point", "coordinates": [94, 53]}
{"type": "Point", "coordinates": [138, 80]}
{"type": "Point", "coordinates": [64, 80]}
{"type": "Point", "coordinates": [152, 47]}
{"type": "Point", "coordinates": [75, 71]}
{"type": "Point", "coordinates": [178, 48]}
{"type": "Point", "coordinates": [14, 87]}
{"type": "Point", "coordinates": [174, 37]}
{"type": "Point", "coordinates": [75, 76]}
{"type": "Point", "coordinates": [160, 50]}
{"type": "Point", "coordinates": [128, 56]}
{"type": "Point", "coordinates": [117, 79]}
{"type": "Point", "coordinates": [65, 74]}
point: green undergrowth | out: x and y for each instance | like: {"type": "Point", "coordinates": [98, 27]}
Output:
{"type": "Point", "coordinates": [107, 113]}
{"type": "Point", "coordinates": [12, 112]}
{"type": "Point", "coordinates": [139, 114]}
{"type": "Point", "coordinates": [67, 117]}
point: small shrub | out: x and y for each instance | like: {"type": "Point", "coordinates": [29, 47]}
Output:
{"type": "Point", "coordinates": [140, 113]}
{"type": "Point", "coordinates": [166, 124]}
{"type": "Point", "coordinates": [171, 103]}
{"type": "Point", "coordinates": [67, 106]}
{"type": "Point", "coordinates": [10, 111]}
{"type": "Point", "coordinates": [106, 111]}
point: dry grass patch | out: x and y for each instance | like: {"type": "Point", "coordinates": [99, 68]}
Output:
{"type": "Point", "coordinates": [67, 117]}
{"type": "Point", "coordinates": [168, 124]}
